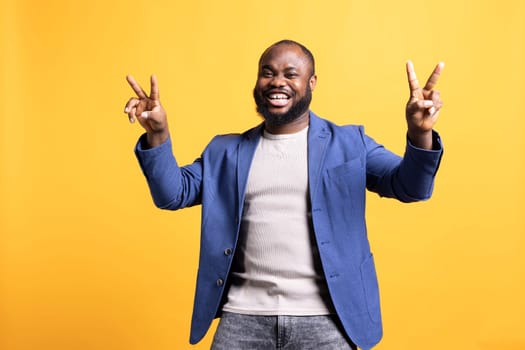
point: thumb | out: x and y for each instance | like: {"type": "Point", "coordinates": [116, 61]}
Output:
{"type": "Point", "coordinates": [157, 113]}
{"type": "Point", "coordinates": [155, 119]}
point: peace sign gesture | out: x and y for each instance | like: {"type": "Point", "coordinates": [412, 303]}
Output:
{"type": "Point", "coordinates": [423, 107]}
{"type": "Point", "coordinates": [148, 111]}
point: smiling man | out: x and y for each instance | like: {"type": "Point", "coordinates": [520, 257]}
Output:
{"type": "Point", "coordinates": [284, 87]}
{"type": "Point", "coordinates": [285, 260]}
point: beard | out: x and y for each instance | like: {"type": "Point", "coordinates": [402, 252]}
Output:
{"type": "Point", "coordinates": [279, 119]}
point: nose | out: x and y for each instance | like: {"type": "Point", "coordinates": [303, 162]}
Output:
{"type": "Point", "coordinates": [278, 80]}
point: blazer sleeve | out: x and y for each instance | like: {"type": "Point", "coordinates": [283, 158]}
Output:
{"type": "Point", "coordinates": [172, 187]}
{"type": "Point", "coordinates": [408, 179]}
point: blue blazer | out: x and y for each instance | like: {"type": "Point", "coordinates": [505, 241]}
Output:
{"type": "Point", "coordinates": [342, 163]}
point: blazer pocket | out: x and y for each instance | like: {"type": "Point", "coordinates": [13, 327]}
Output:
{"type": "Point", "coordinates": [355, 162]}
{"type": "Point", "coordinates": [347, 178]}
{"type": "Point", "coordinates": [371, 288]}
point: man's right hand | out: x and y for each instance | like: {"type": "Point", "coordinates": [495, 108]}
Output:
{"type": "Point", "coordinates": [148, 111]}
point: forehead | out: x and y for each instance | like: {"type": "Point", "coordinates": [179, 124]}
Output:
{"type": "Point", "coordinates": [284, 56]}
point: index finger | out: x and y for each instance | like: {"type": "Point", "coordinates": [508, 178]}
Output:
{"type": "Point", "coordinates": [432, 80]}
{"type": "Point", "coordinates": [136, 87]}
{"type": "Point", "coordinates": [413, 83]}
{"type": "Point", "coordinates": [154, 88]}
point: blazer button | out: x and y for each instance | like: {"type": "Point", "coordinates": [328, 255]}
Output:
{"type": "Point", "coordinates": [220, 282]}
{"type": "Point", "coordinates": [228, 251]}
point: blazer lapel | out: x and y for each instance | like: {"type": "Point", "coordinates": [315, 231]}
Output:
{"type": "Point", "coordinates": [318, 136]}
{"type": "Point", "coordinates": [246, 150]}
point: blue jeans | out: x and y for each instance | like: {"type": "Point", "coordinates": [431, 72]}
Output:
{"type": "Point", "coordinates": [247, 332]}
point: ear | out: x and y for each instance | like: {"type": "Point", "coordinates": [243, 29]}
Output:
{"type": "Point", "coordinates": [313, 82]}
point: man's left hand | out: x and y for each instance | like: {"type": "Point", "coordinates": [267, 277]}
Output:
{"type": "Point", "coordinates": [423, 107]}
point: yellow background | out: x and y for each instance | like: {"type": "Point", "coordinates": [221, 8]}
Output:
{"type": "Point", "coordinates": [87, 261]}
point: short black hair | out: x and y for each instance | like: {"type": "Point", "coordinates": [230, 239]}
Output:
{"type": "Point", "coordinates": [303, 48]}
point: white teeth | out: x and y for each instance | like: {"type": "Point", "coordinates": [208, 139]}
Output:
{"type": "Point", "coordinates": [278, 97]}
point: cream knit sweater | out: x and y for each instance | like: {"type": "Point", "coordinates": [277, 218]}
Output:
{"type": "Point", "coordinates": [277, 270]}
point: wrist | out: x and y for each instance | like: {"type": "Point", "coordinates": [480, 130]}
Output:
{"type": "Point", "coordinates": [420, 138]}
{"type": "Point", "coordinates": [157, 138]}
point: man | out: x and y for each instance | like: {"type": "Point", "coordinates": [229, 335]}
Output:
{"type": "Point", "coordinates": [285, 260]}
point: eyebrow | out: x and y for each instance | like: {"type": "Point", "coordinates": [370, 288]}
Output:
{"type": "Point", "coordinates": [287, 69]}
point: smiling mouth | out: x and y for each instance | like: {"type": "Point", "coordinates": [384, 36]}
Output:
{"type": "Point", "coordinates": [277, 99]}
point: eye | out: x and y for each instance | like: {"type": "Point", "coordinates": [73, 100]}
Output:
{"type": "Point", "coordinates": [291, 75]}
{"type": "Point", "coordinates": [266, 73]}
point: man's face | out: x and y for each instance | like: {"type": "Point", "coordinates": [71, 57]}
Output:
{"type": "Point", "coordinates": [284, 84]}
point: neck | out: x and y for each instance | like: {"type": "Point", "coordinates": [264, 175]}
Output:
{"type": "Point", "coordinates": [294, 126]}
